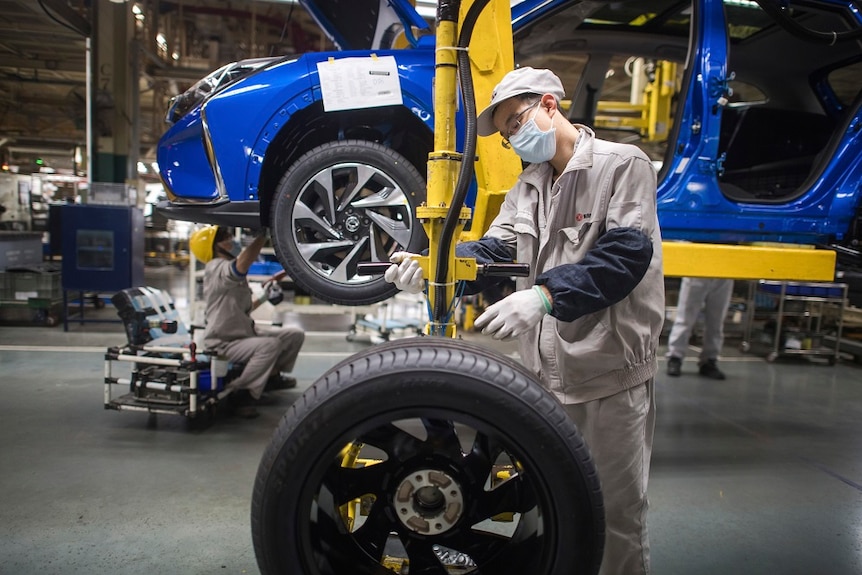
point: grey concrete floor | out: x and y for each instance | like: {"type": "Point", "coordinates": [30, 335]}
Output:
{"type": "Point", "coordinates": [758, 474]}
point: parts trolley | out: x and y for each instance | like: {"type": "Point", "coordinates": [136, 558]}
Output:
{"type": "Point", "coordinates": [795, 318]}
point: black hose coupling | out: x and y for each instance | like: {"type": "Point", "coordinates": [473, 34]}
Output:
{"type": "Point", "coordinates": [447, 10]}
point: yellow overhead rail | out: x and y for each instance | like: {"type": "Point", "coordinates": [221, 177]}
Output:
{"type": "Point", "coordinates": [753, 262]}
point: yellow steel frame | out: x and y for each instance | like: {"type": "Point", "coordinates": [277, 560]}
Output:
{"type": "Point", "coordinates": [491, 57]}
{"type": "Point", "coordinates": [651, 118]}
{"type": "Point", "coordinates": [754, 262]}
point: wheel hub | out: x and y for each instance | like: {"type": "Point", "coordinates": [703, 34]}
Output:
{"type": "Point", "coordinates": [429, 501]}
{"type": "Point", "coordinates": [352, 223]}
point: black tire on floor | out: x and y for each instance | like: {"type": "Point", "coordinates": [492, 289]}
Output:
{"type": "Point", "coordinates": [343, 203]}
{"type": "Point", "coordinates": [440, 418]}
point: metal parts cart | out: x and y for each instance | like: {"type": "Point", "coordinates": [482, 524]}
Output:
{"type": "Point", "coordinates": [31, 295]}
{"type": "Point", "coordinates": [168, 375]}
{"type": "Point", "coordinates": [793, 315]}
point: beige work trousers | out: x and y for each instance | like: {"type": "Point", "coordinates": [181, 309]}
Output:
{"type": "Point", "coordinates": [271, 352]}
{"type": "Point", "coordinates": [619, 433]}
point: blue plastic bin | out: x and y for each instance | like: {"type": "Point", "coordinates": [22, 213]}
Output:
{"type": "Point", "coordinates": [205, 381]}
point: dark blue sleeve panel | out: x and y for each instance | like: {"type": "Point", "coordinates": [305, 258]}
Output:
{"type": "Point", "coordinates": [235, 271]}
{"type": "Point", "coordinates": [607, 274]}
{"type": "Point", "coordinates": [485, 250]}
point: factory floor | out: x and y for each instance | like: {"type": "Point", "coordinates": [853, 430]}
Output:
{"type": "Point", "coordinates": [757, 474]}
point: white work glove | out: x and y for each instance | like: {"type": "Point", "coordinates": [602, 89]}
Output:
{"type": "Point", "coordinates": [513, 315]}
{"type": "Point", "coordinates": [405, 272]}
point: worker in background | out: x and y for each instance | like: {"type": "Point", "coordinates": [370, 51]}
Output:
{"type": "Point", "coordinates": [268, 355]}
{"type": "Point", "coordinates": [589, 317]}
{"type": "Point", "coordinates": [712, 295]}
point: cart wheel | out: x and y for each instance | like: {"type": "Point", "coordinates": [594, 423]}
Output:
{"type": "Point", "coordinates": [98, 302]}
{"type": "Point", "coordinates": [745, 347]}
{"type": "Point", "coordinates": [771, 357]}
{"type": "Point", "coordinates": [430, 453]}
{"type": "Point", "coordinates": [831, 360]}
{"type": "Point", "coordinates": [51, 320]}
{"type": "Point", "coordinates": [203, 420]}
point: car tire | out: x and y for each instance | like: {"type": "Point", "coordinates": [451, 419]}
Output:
{"type": "Point", "coordinates": [434, 413]}
{"type": "Point", "coordinates": [320, 232]}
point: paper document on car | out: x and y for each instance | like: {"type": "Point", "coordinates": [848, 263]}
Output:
{"type": "Point", "coordinates": [353, 83]}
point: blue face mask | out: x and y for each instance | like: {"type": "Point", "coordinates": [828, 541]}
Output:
{"type": "Point", "coordinates": [532, 144]}
{"type": "Point", "coordinates": [235, 248]}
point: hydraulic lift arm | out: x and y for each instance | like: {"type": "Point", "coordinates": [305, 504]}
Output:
{"type": "Point", "coordinates": [476, 63]}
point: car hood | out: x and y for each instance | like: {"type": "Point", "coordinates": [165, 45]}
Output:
{"type": "Point", "coordinates": [364, 24]}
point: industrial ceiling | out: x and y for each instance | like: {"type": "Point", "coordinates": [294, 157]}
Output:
{"type": "Point", "coordinates": [43, 71]}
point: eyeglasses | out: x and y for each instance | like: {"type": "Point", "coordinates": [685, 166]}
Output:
{"type": "Point", "coordinates": [514, 124]}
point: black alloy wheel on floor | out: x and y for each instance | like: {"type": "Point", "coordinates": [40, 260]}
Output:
{"type": "Point", "coordinates": [427, 456]}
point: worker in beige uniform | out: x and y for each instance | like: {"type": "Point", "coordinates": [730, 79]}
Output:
{"type": "Point", "coordinates": [268, 354]}
{"type": "Point", "coordinates": [589, 316]}
{"type": "Point", "coordinates": [712, 297]}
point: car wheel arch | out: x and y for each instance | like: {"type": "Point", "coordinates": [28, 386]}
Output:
{"type": "Point", "coordinates": [311, 127]}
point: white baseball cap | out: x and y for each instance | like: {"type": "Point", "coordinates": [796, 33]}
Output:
{"type": "Point", "coordinates": [524, 80]}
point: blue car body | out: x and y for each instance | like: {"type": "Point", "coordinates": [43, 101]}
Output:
{"type": "Point", "coordinates": [223, 158]}
{"type": "Point", "coordinates": [692, 205]}
{"type": "Point", "coordinates": [265, 103]}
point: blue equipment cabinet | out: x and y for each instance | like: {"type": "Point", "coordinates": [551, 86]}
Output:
{"type": "Point", "coordinates": [103, 247]}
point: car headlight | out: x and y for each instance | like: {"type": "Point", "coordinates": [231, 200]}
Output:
{"type": "Point", "coordinates": [211, 84]}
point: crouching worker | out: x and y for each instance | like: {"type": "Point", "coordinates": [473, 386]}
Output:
{"type": "Point", "coordinates": [268, 354]}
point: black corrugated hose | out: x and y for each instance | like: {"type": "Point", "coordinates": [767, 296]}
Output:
{"type": "Point", "coordinates": [446, 10]}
